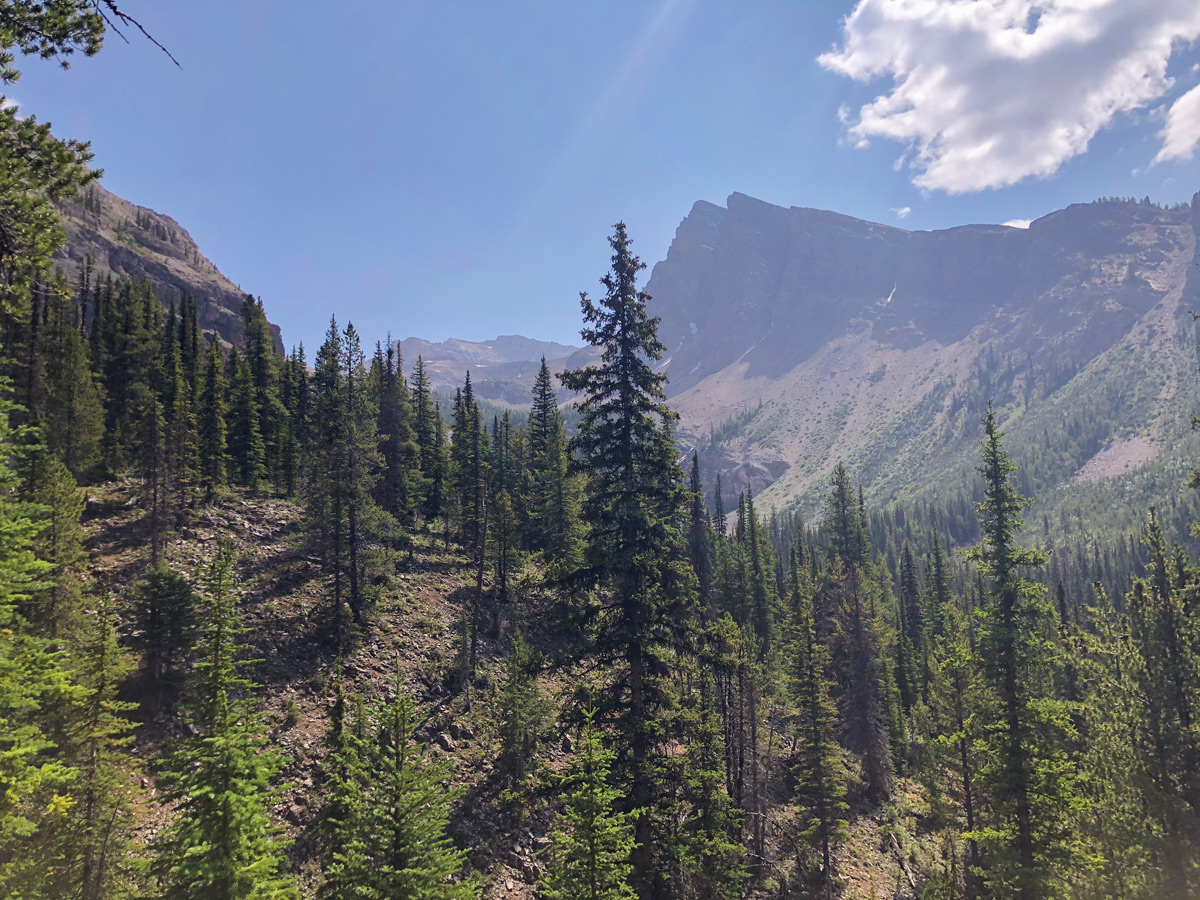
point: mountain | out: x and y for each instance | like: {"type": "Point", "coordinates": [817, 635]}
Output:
{"type": "Point", "coordinates": [134, 242]}
{"type": "Point", "coordinates": [800, 337]}
{"type": "Point", "coordinates": [502, 370]}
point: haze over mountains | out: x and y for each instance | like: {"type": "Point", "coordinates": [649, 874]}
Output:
{"type": "Point", "coordinates": [800, 337]}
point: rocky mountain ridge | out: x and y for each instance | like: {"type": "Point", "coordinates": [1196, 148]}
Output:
{"type": "Point", "coordinates": [132, 242]}
{"type": "Point", "coordinates": [799, 337]}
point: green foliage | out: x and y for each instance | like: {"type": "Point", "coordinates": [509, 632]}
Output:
{"type": "Point", "coordinates": [221, 843]}
{"type": "Point", "coordinates": [387, 811]}
{"type": "Point", "coordinates": [635, 551]}
{"type": "Point", "coordinates": [164, 607]}
{"type": "Point", "coordinates": [592, 839]}
{"type": "Point", "coordinates": [1030, 778]}
{"type": "Point", "coordinates": [522, 710]}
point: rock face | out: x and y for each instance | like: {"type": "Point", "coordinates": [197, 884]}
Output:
{"type": "Point", "coordinates": [798, 337]}
{"type": "Point", "coordinates": [133, 242]}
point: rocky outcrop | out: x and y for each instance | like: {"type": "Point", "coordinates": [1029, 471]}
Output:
{"type": "Point", "coordinates": [132, 242]}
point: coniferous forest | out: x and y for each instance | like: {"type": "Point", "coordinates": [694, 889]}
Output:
{"type": "Point", "coordinates": [288, 624]}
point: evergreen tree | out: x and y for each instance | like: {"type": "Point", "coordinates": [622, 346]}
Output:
{"type": "Point", "coordinates": [857, 652]}
{"type": "Point", "coordinates": [818, 767]}
{"type": "Point", "coordinates": [73, 411]}
{"type": "Point", "coordinates": [98, 838]}
{"type": "Point", "coordinates": [399, 487]}
{"type": "Point", "coordinates": [426, 424]}
{"type": "Point", "coordinates": [395, 808]}
{"type": "Point", "coordinates": [34, 781]}
{"type": "Point", "coordinates": [635, 548]}
{"type": "Point", "coordinates": [1030, 778]}
{"type": "Point", "coordinates": [213, 447]}
{"type": "Point", "coordinates": [551, 504]}
{"type": "Point", "coordinates": [164, 609]}
{"type": "Point", "coordinates": [221, 844]}
{"type": "Point", "coordinates": [247, 449]}
{"type": "Point", "coordinates": [522, 709]}
{"type": "Point", "coordinates": [700, 547]}
{"type": "Point", "coordinates": [592, 840]}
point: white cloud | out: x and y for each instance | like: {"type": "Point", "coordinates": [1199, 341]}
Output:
{"type": "Point", "coordinates": [8, 103]}
{"type": "Point", "coordinates": [1182, 131]}
{"type": "Point", "coordinates": [1018, 223]}
{"type": "Point", "coordinates": [986, 93]}
{"type": "Point", "coordinates": [902, 211]}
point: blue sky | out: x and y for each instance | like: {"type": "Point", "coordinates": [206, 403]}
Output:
{"type": "Point", "coordinates": [453, 169]}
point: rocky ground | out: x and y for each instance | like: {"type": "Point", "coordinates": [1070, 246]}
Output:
{"type": "Point", "coordinates": [413, 628]}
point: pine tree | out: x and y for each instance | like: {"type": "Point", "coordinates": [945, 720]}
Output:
{"type": "Point", "coordinates": [99, 839]}
{"type": "Point", "coordinates": [700, 547]}
{"type": "Point", "coordinates": [522, 709]}
{"type": "Point", "coordinates": [60, 542]}
{"type": "Point", "coordinates": [35, 782]}
{"type": "Point", "coordinates": [221, 844]}
{"type": "Point", "coordinates": [635, 549]}
{"type": "Point", "coordinates": [704, 851]}
{"type": "Point", "coordinates": [551, 504]}
{"type": "Point", "coordinates": [592, 840]}
{"type": "Point", "coordinates": [247, 449]}
{"type": "Point", "coordinates": [164, 608]}
{"type": "Point", "coordinates": [263, 363]}
{"type": "Point", "coordinates": [344, 466]}
{"type": "Point", "coordinates": [1030, 778]}
{"type": "Point", "coordinates": [213, 447]}
{"type": "Point", "coordinates": [857, 652]}
{"type": "Point", "coordinates": [399, 488]}
{"type": "Point", "coordinates": [820, 772]}
{"type": "Point", "coordinates": [73, 417]}
{"type": "Point", "coordinates": [391, 837]}
{"type": "Point", "coordinates": [426, 422]}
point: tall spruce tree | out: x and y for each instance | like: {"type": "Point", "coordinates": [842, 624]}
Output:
{"type": "Point", "coordinates": [635, 550]}
{"type": "Point", "coordinates": [818, 766]}
{"type": "Point", "coordinates": [213, 440]}
{"type": "Point", "coordinates": [1030, 778]}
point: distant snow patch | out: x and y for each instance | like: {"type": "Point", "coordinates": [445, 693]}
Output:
{"type": "Point", "coordinates": [692, 325]}
{"type": "Point", "coordinates": [1018, 223]}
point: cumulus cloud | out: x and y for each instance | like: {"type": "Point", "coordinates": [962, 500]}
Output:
{"type": "Point", "coordinates": [986, 93]}
{"type": "Point", "coordinates": [1182, 131]}
{"type": "Point", "coordinates": [1018, 223]}
{"type": "Point", "coordinates": [902, 211]}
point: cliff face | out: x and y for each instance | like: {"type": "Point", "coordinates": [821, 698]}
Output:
{"type": "Point", "coordinates": [133, 242]}
{"type": "Point", "coordinates": [798, 337]}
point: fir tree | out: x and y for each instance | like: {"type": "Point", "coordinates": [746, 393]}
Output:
{"type": "Point", "coordinates": [213, 446]}
{"type": "Point", "coordinates": [221, 844]}
{"type": "Point", "coordinates": [1031, 781]}
{"type": "Point", "coordinates": [395, 810]}
{"type": "Point", "coordinates": [592, 840]}
{"type": "Point", "coordinates": [522, 709]}
{"type": "Point", "coordinates": [247, 449]}
{"type": "Point", "coordinates": [818, 767]}
{"type": "Point", "coordinates": [635, 549]}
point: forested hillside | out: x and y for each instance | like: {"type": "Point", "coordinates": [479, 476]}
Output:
{"type": "Point", "coordinates": [277, 625]}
